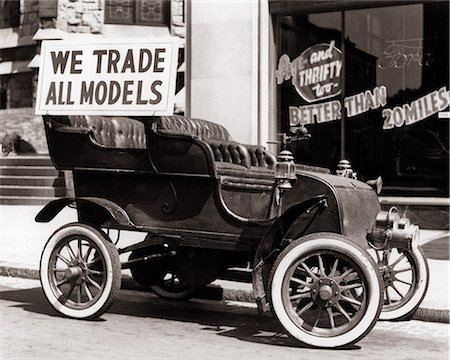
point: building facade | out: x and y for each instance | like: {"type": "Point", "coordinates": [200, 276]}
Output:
{"type": "Point", "coordinates": [368, 79]}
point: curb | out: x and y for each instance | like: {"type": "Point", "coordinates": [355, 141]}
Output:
{"type": "Point", "coordinates": [212, 292]}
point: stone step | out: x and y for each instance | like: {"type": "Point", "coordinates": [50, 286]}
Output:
{"type": "Point", "coordinates": [34, 191]}
{"type": "Point", "coordinates": [25, 200]}
{"type": "Point", "coordinates": [29, 170]}
{"type": "Point", "coordinates": [37, 160]}
{"type": "Point", "coordinates": [31, 180]}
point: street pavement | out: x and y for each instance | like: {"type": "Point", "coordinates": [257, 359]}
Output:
{"type": "Point", "coordinates": [140, 325]}
{"type": "Point", "coordinates": [22, 241]}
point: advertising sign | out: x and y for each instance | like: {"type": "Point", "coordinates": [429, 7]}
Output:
{"type": "Point", "coordinates": [331, 110]}
{"type": "Point", "coordinates": [123, 77]}
{"type": "Point", "coordinates": [315, 74]}
{"type": "Point", "coordinates": [417, 110]}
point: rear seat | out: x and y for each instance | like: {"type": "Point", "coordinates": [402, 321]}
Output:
{"type": "Point", "coordinates": [232, 158]}
{"type": "Point", "coordinates": [113, 132]}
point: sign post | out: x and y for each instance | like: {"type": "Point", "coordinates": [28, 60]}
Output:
{"type": "Point", "coordinates": [123, 77]}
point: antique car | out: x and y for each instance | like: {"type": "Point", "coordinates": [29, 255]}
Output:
{"type": "Point", "coordinates": [207, 203]}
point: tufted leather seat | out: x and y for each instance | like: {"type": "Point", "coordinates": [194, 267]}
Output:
{"type": "Point", "coordinates": [113, 132]}
{"type": "Point", "coordinates": [225, 150]}
{"type": "Point", "coordinates": [205, 130]}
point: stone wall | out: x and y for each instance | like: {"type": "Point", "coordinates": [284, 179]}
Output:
{"type": "Point", "coordinates": [29, 126]}
{"type": "Point", "coordinates": [80, 16]}
{"type": "Point", "coordinates": [177, 18]}
{"type": "Point", "coordinates": [87, 16]}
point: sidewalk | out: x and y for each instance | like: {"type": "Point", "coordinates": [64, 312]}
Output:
{"type": "Point", "coordinates": [22, 241]}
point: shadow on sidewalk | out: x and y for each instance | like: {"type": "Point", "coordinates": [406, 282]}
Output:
{"type": "Point", "coordinates": [215, 317]}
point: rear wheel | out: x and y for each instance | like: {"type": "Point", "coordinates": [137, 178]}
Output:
{"type": "Point", "coordinates": [170, 286]}
{"type": "Point", "coordinates": [160, 278]}
{"type": "Point", "coordinates": [325, 290]}
{"type": "Point", "coordinates": [80, 271]}
{"type": "Point", "coordinates": [405, 276]}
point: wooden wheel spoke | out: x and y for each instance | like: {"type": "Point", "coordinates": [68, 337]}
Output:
{"type": "Point", "coordinates": [350, 286]}
{"type": "Point", "coordinates": [94, 261]}
{"type": "Point", "coordinates": [331, 317]}
{"type": "Point", "coordinates": [304, 308]}
{"type": "Point", "coordinates": [93, 283]}
{"type": "Point", "coordinates": [350, 300]}
{"type": "Point", "coordinates": [398, 260]}
{"type": "Point", "coordinates": [79, 250]}
{"type": "Point", "coordinates": [343, 312]}
{"type": "Point", "coordinates": [402, 281]}
{"type": "Point", "coordinates": [309, 271]}
{"type": "Point", "coordinates": [87, 291]}
{"type": "Point", "coordinates": [397, 291]}
{"type": "Point", "coordinates": [71, 253]}
{"type": "Point", "coordinates": [319, 312]}
{"type": "Point", "coordinates": [388, 298]}
{"type": "Point", "coordinates": [402, 270]}
{"type": "Point", "coordinates": [95, 272]}
{"type": "Point", "coordinates": [62, 281]}
{"type": "Point", "coordinates": [300, 296]}
{"type": "Point", "coordinates": [321, 267]}
{"type": "Point", "coordinates": [345, 275]}
{"type": "Point", "coordinates": [63, 259]}
{"type": "Point", "coordinates": [301, 282]}
{"type": "Point", "coordinates": [333, 269]}
{"type": "Point", "coordinates": [79, 294]}
{"type": "Point", "coordinates": [71, 290]}
{"type": "Point", "coordinates": [88, 252]}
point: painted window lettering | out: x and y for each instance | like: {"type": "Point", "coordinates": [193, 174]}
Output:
{"type": "Point", "coordinates": [416, 111]}
{"type": "Point", "coordinates": [315, 74]}
{"type": "Point", "coordinates": [331, 110]}
{"type": "Point", "coordinates": [399, 54]}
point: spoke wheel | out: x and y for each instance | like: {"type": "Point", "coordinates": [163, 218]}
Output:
{"type": "Point", "coordinates": [405, 277]}
{"type": "Point", "coordinates": [170, 286]}
{"type": "Point", "coordinates": [325, 290]}
{"type": "Point", "coordinates": [80, 271]}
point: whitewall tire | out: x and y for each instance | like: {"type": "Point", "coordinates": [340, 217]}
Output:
{"type": "Point", "coordinates": [80, 271]}
{"type": "Point", "coordinates": [325, 290]}
{"type": "Point", "coordinates": [405, 275]}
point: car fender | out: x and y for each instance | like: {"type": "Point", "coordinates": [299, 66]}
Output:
{"type": "Point", "coordinates": [270, 245]}
{"type": "Point", "coordinates": [109, 209]}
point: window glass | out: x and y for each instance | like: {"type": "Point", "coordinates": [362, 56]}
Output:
{"type": "Point", "coordinates": [141, 12]}
{"type": "Point", "coordinates": [396, 82]}
{"type": "Point", "coordinates": [405, 50]}
{"type": "Point", "coordinates": [304, 43]}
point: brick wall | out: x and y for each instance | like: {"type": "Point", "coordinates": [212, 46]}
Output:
{"type": "Point", "coordinates": [29, 126]}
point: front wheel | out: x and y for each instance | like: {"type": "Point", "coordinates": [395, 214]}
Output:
{"type": "Point", "coordinates": [80, 271]}
{"type": "Point", "coordinates": [405, 276]}
{"type": "Point", "coordinates": [325, 290]}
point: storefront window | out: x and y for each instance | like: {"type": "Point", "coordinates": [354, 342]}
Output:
{"type": "Point", "coordinates": [396, 62]}
{"type": "Point", "coordinates": [325, 152]}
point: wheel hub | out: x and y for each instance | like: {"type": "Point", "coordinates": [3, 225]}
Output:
{"type": "Point", "coordinates": [325, 292]}
{"type": "Point", "coordinates": [387, 274]}
{"type": "Point", "coordinates": [73, 272]}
